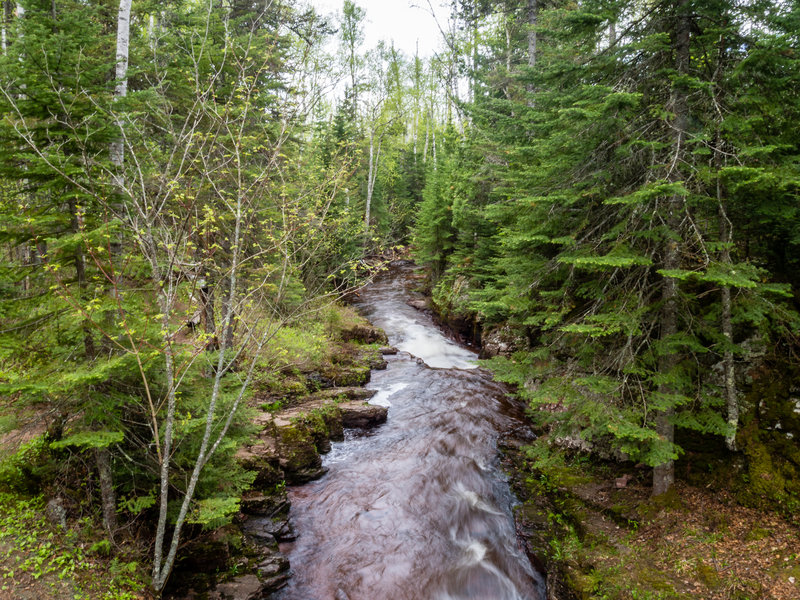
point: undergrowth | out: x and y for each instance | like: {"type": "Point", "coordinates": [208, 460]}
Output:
{"type": "Point", "coordinates": [61, 559]}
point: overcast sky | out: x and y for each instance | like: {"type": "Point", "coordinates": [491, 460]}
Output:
{"type": "Point", "coordinates": [403, 21]}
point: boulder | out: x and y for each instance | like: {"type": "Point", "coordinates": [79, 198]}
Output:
{"type": "Point", "coordinates": [418, 304]}
{"type": "Point", "coordinates": [245, 587]}
{"type": "Point", "coordinates": [272, 565]}
{"type": "Point", "coordinates": [362, 416]}
{"type": "Point", "coordinates": [364, 334]}
{"type": "Point", "coordinates": [262, 457]}
{"type": "Point", "coordinates": [56, 513]}
{"type": "Point", "coordinates": [348, 393]}
{"type": "Point", "coordinates": [262, 504]}
{"type": "Point", "coordinates": [500, 341]}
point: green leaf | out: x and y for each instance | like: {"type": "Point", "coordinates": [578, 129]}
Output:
{"type": "Point", "coordinates": [89, 439]}
{"type": "Point", "coordinates": [213, 512]}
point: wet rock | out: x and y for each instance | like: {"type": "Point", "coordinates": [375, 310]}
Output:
{"type": "Point", "coordinates": [378, 363]}
{"type": "Point", "coordinates": [272, 565]}
{"type": "Point", "coordinates": [501, 341]}
{"type": "Point", "coordinates": [245, 587]}
{"type": "Point", "coordinates": [275, 583]}
{"type": "Point", "coordinates": [418, 304]}
{"type": "Point", "coordinates": [388, 350]}
{"type": "Point", "coordinates": [282, 530]}
{"type": "Point", "coordinates": [348, 393]}
{"type": "Point", "coordinates": [305, 475]}
{"type": "Point", "coordinates": [261, 504]}
{"type": "Point", "coordinates": [262, 458]}
{"type": "Point", "coordinates": [297, 451]}
{"type": "Point", "coordinates": [364, 334]}
{"type": "Point", "coordinates": [271, 574]}
{"type": "Point", "coordinates": [324, 445]}
{"type": "Point", "coordinates": [363, 416]}
{"type": "Point", "coordinates": [258, 536]}
{"type": "Point", "coordinates": [56, 513]}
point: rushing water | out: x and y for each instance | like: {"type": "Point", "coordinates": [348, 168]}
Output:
{"type": "Point", "coordinates": [416, 509]}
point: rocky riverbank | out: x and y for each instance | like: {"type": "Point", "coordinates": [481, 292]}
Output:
{"type": "Point", "coordinates": [297, 415]}
{"type": "Point", "coordinates": [599, 534]}
{"type": "Point", "coordinates": [727, 531]}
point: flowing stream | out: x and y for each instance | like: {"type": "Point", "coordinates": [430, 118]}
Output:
{"type": "Point", "coordinates": [415, 509]}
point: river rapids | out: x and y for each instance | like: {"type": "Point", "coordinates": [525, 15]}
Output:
{"type": "Point", "coordinates": [416, 509]}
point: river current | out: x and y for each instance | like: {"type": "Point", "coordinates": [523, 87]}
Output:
{"type": "Point", "coordinates": [416, 509]}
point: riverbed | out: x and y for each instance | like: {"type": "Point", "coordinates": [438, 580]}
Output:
{"type": "Point", "coordinates": [416, 509]}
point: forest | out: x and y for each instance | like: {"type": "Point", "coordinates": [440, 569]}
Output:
{"type": "Point", "coordinates": [603, 197]}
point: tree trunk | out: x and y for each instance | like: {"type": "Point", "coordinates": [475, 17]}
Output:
{"type": "Point", "coordinates": [107, 494]}
{"type": "Point", "coordinates": [427, 138]}
{"type": "Point", "coordinates": [227, 315]}
{"type": "Point", "coordinates": [664, 474]}
{"type": "Point", "coordinates": [207, 309]}
{"type": "Point", "coordinates": [533, 17]}
{"type": "Point", "coordinates": [370, 180]}
{"type": "Point", "coordinates": [433, 147]}
{"type": "Point", "coordinates": [80, 276]}
{"type": "Point", "coordinates": [117, 148]}
{"type": "Point", "coordinates": [729, 374]}
{"type": "Point", "coordinates": [726, 240]}
{"type": "Point", "coordinates": [6, 25]}
{"type": "Point", "coordinates": [509, 50]}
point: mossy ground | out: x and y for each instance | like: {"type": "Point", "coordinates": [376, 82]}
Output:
{"type": "Point", "coordinates": [43, 561]}
{"type": "Point", "coordinates": [39, 560]}
{"type": "Point", "coordinates": [602, 541]}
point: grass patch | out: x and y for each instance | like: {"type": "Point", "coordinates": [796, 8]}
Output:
{"type": "Point", "coordinates": [58, 562]}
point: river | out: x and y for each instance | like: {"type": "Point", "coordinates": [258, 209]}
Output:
{"type": "Point", "coordinates": [416, 509]}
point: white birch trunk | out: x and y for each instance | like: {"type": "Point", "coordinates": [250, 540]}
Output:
{"type": "Point", "coordinates": [372, 176]}
{"type": "Point", "coordinates": [434, 148]}
{"type": "Point", "coordinates": [729, 373]}
{"type": "Point", "coordinates": [117, 148]}
{"type": "Point", "coordinates": [533, 17]}
{"type": "Point", "coordinates": [5, 26]}
{"type": "Point", "coordinates": [427, 138]}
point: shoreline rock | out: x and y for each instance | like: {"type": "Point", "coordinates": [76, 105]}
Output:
{"type": "Point", "coordinates": [287, 449]}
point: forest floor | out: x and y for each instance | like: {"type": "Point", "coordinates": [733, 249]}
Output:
{"type": "Point", "coordinates": [309, 392]}
{"type": "Point", "coordinates": [43, 561]}
{"type": "Point", "coordinates": [603, 536]}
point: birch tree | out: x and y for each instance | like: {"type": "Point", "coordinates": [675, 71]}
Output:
{"type": "Point", "coordinates": [384, 114]}
{"type": "Point", "coordinates": [203, 145]}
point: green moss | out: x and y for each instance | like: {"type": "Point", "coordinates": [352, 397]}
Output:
{"type": "Point", "coordinates": [757, 534]}
{"type": "Point", "coordinates": [637, 581]}
{"type": "Point", "coordinates": [762, 484]}
{"type": "Point", "coordinates": [346, 376]}
{"type": "Point", "coordinates": [276, 385]}
{"type": "Point", "coordinates": [324, 423]}
{"type": "Point", "coordinates": [272, 407]}
{"type": "Point", "coordinates": [707, 574]}
{"type": "Point", "coordinates": [667, 502]}
{"type": "Point", "coordinates": [297, 447]}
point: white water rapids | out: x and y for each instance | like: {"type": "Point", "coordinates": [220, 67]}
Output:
{"type": "Point", "coordinates": [417, 508]}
